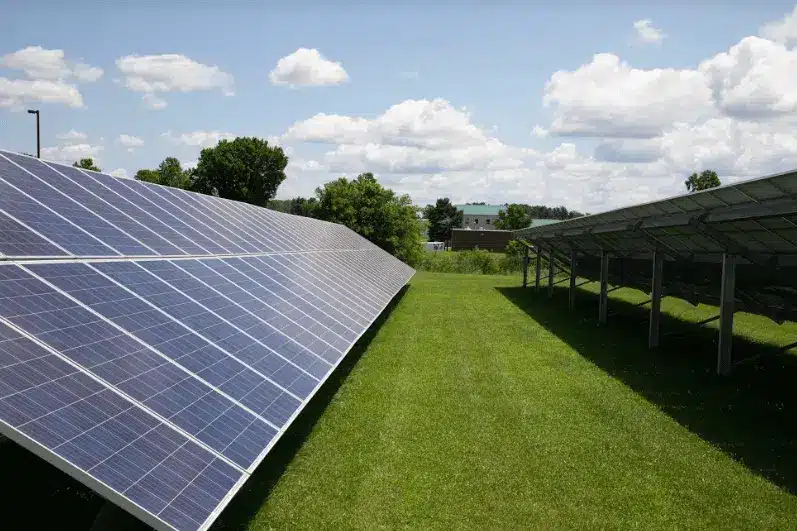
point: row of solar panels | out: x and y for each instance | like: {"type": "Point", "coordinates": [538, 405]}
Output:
{"type": "Point", "coordinates": [50, 209]}
{"type": "Point", "coordinates": [162, 382]}
{"type": "Point", "coordinates": [168, 381]}
{"type": "Point", "coordinates": [757, 217]}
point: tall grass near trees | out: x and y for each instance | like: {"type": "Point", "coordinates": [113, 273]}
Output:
{"type": "Point", "coordinates": [471, 262]}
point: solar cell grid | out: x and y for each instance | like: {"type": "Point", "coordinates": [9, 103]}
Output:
{"type": "Point", "coordinates": [72, 181]}
{"type": "Point", "coordinates": [156, 218]}
{"type": "Point", "coordinates": [217, 221]}
{"type": "Point", "coordinates": [20, 176]}
{"type": "Point", "coordinates": [60, 409]}
{"type": "Point", "coordinates": [171, 214]}
{"type": "Point", "coordinates": [257, 323]}
{"type": "Point", "coordinates": [209, 227]}
{"type": "Point", "coordinates": [17, 240]}
{"type": "Point", "coordinates": [160, 382]}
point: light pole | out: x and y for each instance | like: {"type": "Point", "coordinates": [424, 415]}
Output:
{"type": "Point", "coordinates": [38, 134]}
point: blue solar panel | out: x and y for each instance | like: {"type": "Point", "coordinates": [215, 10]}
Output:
{"type": "Point", "coordinates": [67, 206]}
{"type": "Point", "coordinates": [44, 221]}
{"type": "Point", "coordinates": [128, 365]}
{"type": "Point", "coordinates": [16, 240]}
{"type": "Point", "coordinates": [291, 305]}
{"type": "Point", "coordinates": [171, 214]}
{"type": "Point", "coordinates": [345, 323]}
{"type": "Point", "coordinates": [333, 294]}
{"type": "Point", "coordinates": [217, 222]}
{"type": "Point", "coordinates": [72, 182]}
{"type": "Point", "coordinates": [162, 383]}
{"type": "Point", "coordinates": [91, 432]}
{"type": "Point", "coordinates": [156, 218]}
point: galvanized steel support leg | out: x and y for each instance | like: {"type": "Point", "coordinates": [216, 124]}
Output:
{"type": "Point", "coordinates": [526, 267]}
{"type": "Point", "coordinates": [655, 300]}
{"type": "Point", "coordinates": [726, 314]}
{"type": "Point", "coordinates": [603, 300]}
{"type": "Point", "coordinates": [550, 273]}
{"type": "Point", "coordinates": [538, 265]}
{"type": "Point", "coordinates": [572, 302]}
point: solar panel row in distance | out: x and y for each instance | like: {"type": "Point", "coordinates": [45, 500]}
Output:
{"type": "Point", "coordinates": [156, 343]}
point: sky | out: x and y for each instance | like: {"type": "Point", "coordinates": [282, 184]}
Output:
{"type": "Point", "coordinates": [584, 104]}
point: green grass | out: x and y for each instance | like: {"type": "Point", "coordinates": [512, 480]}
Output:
{"type": "Point", "coordinates": [480, 406]}
{"type": "Point", "coordinates": [472, 261]}
{"type": "Point", "coordinates": [476, 404]}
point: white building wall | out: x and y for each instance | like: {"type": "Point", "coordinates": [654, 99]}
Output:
{"type": "Point", "coordinates": [479, 222]}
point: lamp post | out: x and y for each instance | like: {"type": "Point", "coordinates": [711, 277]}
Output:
{"type": "Point", "coordinates": [38, 134]}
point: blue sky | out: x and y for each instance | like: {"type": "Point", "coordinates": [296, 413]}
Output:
{"type": "Point", "coordinates": [467, 84]}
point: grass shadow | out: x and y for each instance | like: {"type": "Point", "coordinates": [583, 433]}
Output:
{"type": "Point", "coordinates": [258, 488]}
{"type": "Point", "coordinates": [36, 495]}
{"type": "Point", "coordinates": [749, 415]}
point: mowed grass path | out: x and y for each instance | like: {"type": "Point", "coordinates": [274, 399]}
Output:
{"type": "Point", "coordinates": [464, 412]}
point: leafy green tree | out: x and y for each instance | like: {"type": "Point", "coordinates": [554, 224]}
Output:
{"type": "Point", "coordinates": [442, 217]}
{"type": "Point", "coordinates": [304, 207]}
{"type": "Point", "coordinates": [169, 173]}
{"type": "Point", "coordinates": [514, 217]}
{"type": "Point", "coordinates": [280, 205]}
{"type": "Point", "coordinates": [245, 169]}
{"type": "Point", "coordinates": [86, 164]}
{"type": "Point", "coordinates": [707, 179]}
{"type": "Point", "coordinates": [374, 212]}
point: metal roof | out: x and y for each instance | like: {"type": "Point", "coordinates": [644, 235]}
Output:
{"type": "Point", "coordinates": [480, 210]}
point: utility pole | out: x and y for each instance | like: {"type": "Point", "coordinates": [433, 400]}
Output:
{"type": "Point", "coordinates": [38, 134]}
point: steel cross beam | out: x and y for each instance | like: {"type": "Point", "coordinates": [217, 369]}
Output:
{"type": "Point", "coordinates": [729, 244]}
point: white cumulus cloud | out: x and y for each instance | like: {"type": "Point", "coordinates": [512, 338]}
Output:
{"type": "Point", "coordinates": [49, 78]}
{"type": "Point", "coordinates": [69, 153]}
{"type": "Point", "coordinates": [783, 31]}
{"type": "Point", "coordinates": [645, 32]}
{"type": "Point", "coordinates": [130, 142]}
{"type": "Point", "coordinates": [200, 139]}
{"type": "Point", "coordinates": [165, 73]}
{"type": "Point", "coordinates": [307, 67]}
{"type": "Point", "coordinates": [72, 137]}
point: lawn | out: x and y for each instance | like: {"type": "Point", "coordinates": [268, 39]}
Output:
{"type": "Point", "coordinates": [465, 411]}
{"type": "Point", "coordinates": [476, 404]}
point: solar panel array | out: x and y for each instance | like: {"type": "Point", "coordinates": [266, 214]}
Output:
{"type": "Point", "coordinates": [756, 217]}
{"type": "Point", "coordinates": [155, 343]}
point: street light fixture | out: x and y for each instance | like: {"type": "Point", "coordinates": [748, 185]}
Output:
{"type": "Point", "coordinates": [38, 133]}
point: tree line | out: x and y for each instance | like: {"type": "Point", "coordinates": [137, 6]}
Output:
{"type": "Point", "coordinates": [248, 169]}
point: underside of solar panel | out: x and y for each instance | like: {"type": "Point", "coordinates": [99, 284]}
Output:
{"type": "Point", "coordinates": [156, 343]}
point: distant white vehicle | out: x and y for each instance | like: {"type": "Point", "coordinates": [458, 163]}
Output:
{"type": "Point", "coordinates": [435, 246]}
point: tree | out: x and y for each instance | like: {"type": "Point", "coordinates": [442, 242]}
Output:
{"type": "Point", "coordinates": [707, 179]}
{"type": "Point", "coordinates": [374, 212]}
{"type": "Point", "coordinates": [280, 205]}
{"type": "Point", "coordinates": [245, 169]}
{"type": "Point", "coordinates": [514, 217]}
{"type": "Point", "coordinates": [169, 173]}
{"type": "Point", "coordinates": [86, 164]}
{"type": "Point", "coordinates": [304, 207]}
{"type": "Point", "coordinates": [442, 217]}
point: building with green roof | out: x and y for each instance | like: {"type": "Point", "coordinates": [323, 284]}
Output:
{"type": "Point", "coordinates": [483, 217]}
{"type": "Point", "coordinates": [479, 216]}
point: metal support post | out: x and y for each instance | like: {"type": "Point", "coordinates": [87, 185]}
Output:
{"type": "Point", "coordinates": [572, 302]}
{"type": "Point", "coordinates": [537, 267]}
{"type": "Point", "coordinates": [525, 267]}
{"type": "Point", "coordinates": [655, 300]}
{"type": "Point", "coordinates": [603, 300]}
{"type": "Point", "coordinates": [550, 272]}
{"type": "Point", "coordinates": [726, 313]}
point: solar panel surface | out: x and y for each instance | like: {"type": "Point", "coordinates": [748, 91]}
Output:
{"type": "Point", "coordinates": [155, 343]}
